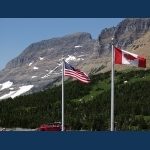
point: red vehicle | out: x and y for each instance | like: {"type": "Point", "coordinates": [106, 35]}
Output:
{"type": "Point", "coordinates": [56, 126]}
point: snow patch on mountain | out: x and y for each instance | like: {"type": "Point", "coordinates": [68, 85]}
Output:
{"type": "Point", "coordinates": [13, 94]}
{"type": "Point", "coordinates": [49, 49]}
{"type": "Point", "coordinates": [82, 55]}
{"type": "Point", "coordinates": [31, 63]}
{"type": "Point", "coordinates": [7, 95]}
{"type": "Point", "coordinates": [13, 91]}
{"type": "Point", "coordinates": [70, 57]}
{"type": "Point", "coordinates": [35, 68]}
{"type": "Point", "coordinates": [78, 59]}
{"type": "Point", "coordinates": [41, 58]}
{"type": "Point", "coordinates": [5, 85]}
{"type": "Point", "coordinates": [51, 72]}
{"type": "Point", "coordinates": [34, 76]}
{"type": "Point", "coordinates": [78, 46]}
{"type": "Point", "coordinates": [22, 90]}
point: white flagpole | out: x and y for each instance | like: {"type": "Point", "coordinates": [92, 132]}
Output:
{"type": "Point", "coordinates": [62, 93]}
{"type": "Point", "coordinates": [112, 87]}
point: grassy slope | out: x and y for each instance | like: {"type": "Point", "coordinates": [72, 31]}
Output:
{"type": "Point", "coordinates": [105, 85]}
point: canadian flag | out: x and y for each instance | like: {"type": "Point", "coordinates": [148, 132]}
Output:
{"type": "Point", "coordinates": [124, 57]}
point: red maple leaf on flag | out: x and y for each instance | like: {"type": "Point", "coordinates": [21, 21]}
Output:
{"type": "Point", "coordinates": [129, 57]}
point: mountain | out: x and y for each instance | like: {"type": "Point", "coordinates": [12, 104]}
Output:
{"type": "Point", "coordinates": [125, 34]}
{"type": "Point", "coordinates": [39, 64]}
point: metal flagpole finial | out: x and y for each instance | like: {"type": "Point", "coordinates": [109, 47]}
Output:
{"type": "Point", "coordinates": [112, 39]}
{"type": "Point", "coordinates": [63, 57]}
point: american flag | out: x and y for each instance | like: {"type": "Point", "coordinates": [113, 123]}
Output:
{"type": "Point", "coordinates": [75, 73]}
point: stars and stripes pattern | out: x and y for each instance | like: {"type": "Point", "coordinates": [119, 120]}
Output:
{"type": "Point", "coordinates": [75, 73]}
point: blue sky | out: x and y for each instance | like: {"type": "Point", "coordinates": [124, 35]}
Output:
{"type": "Point", "coordinates": [16, 34]}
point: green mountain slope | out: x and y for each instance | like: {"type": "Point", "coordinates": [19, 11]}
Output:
{"type": "Point", "coordinates": [87, 106]}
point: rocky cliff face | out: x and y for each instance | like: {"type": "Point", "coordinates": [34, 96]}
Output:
{"type": "Point", "coordinates": [39, 64]}
{"type": "Point", "coordinates": [54, 48]}
{"type": "Point", "coordinates": [125, 33]}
